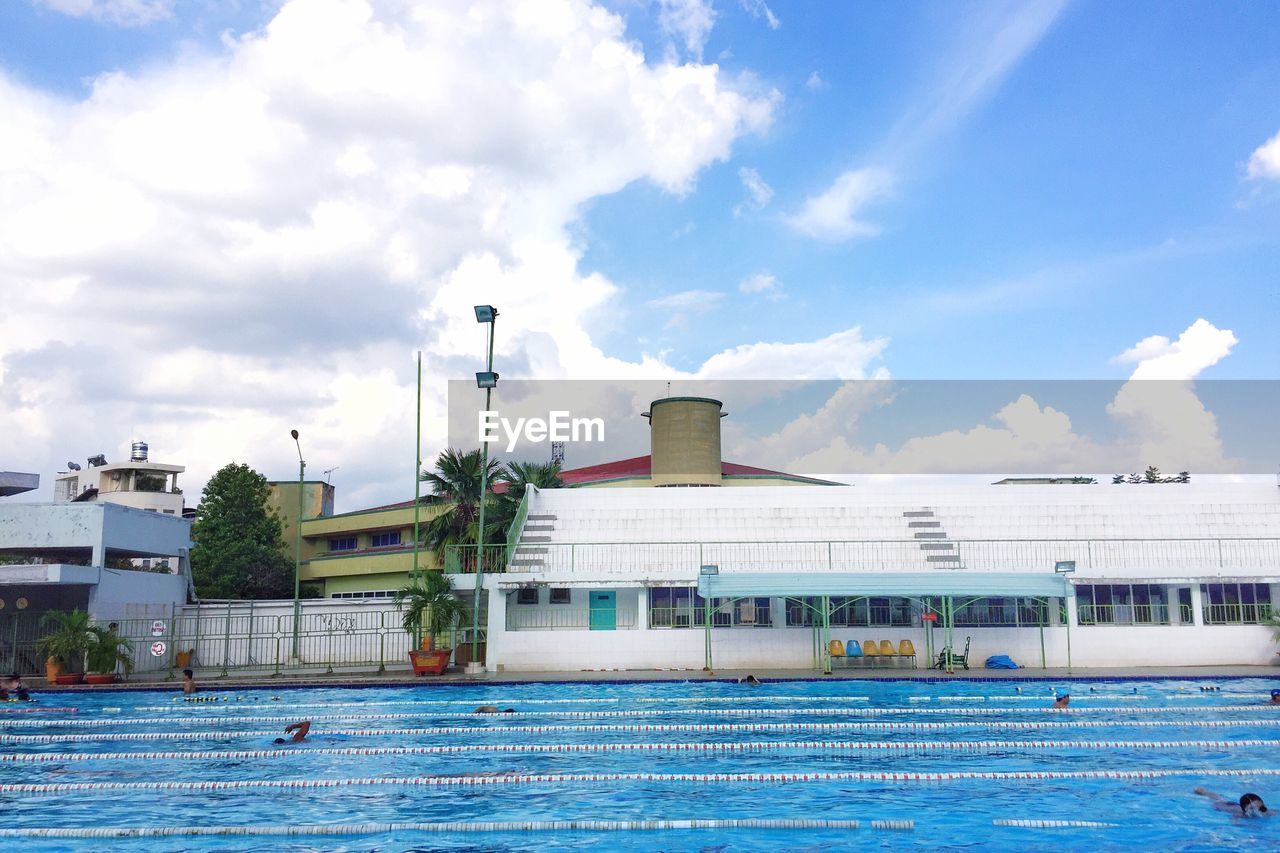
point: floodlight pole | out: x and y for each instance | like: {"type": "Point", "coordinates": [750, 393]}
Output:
{"type": "Point", "coordinates": [417, 473]}
{"type": "Point", "coordinates": [295, 658]}
{"type": "Point", "coordinates": [476, 665]}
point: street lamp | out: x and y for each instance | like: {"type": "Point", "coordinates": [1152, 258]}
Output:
{"type": "Point", "coordinates": [487, 380]}
{"type": "Point", "coordinates": [297, 550]}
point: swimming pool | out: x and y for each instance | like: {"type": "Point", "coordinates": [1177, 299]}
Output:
{"type": "Point", "coordinates": [802, 765]}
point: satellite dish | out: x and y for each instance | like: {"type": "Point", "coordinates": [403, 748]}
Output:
{"type": "Point", "coordinates": [72, 466]}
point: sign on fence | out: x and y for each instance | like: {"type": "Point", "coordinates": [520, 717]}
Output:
{"type": "Point", "coordinates": [158, 649]}
{"type": "Point", "coordinates": [157, 628]}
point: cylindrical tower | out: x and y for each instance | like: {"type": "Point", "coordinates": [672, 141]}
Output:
{"type": "Point", "coordinates": [684, 438]}
{"type": "Point", "coordinates": [138, 452]}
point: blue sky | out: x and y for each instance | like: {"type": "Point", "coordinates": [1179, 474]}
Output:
{"type": "Point", "coordinates": [224, 219]}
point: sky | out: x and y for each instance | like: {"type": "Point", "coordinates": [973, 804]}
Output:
{"type": "Point", "coordinates": [224, 219]}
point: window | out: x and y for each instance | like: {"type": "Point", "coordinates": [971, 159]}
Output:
{"type": "Point", "coordinates": [381, 593]}
{"type": "Point", "coordinates": [382, 540]}
{"type": "Point", "coordinates": [849, 611]}
{"type": "Point", "coordinates": [1122, 604]}
{"type": "Point", "coordinates": [682, 607]}
{"type": "Point", "coordinates": [1235, 603]}
{"type": "Point", "coordinates": [1002, 613]}
{"type": "Point", "coordinates": [527, 595]}
{"type": "Point", "coordinates": [559, 595]}
{"type": "Point", "coordinates": [342, 543]}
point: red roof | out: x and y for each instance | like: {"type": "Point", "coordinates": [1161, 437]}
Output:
{"type": "Point", "coordinates": [642, 466]}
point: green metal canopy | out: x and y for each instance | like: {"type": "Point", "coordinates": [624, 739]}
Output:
{"type": "Point", "coordinates": [789, 584]}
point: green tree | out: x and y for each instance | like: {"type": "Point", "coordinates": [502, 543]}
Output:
{"type": "Point", "coordinates": [517, 477]}
{"type": "Point", "coordinates": [239, 550]}
{"type": "Point", "coordinates": [456, 482]}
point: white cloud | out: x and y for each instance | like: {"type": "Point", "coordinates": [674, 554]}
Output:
{"type": "Point", "coordinates": [1200, 346]}
{"type": "Point", "coordinates": [685, 304]}
{"type": "Point", "coordinates": [690, 21]}
{"type": "Point", "coordinates": [762, 282]}
{"type": "Point", "coordinates": [219, 248]}
{"type": "Point", "coordinates": [1265, 161]}
{"type": "Point", "coordinates": [761, 192]}
{"type": "Point", "coordinates": [833, 215]}
{"type": "Point", "coordinates": [843, 355]}
{"type": "Point", "coordinates": [125, 13]}
{"type": "Point", "coordinates": [759, 9]}
{"type": "Point", "coordinates": [815, 82]}
{"type": "Point", "coordinates": [990, 45]}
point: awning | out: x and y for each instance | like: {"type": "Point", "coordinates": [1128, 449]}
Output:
{"type": "Point", "coordinates": [782, 584]}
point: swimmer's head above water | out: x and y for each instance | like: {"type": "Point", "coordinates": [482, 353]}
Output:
{"type": "Point", "coordinates": [1251, 805]}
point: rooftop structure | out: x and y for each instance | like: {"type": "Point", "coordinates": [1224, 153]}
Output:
{"type": "Point", "coordinates": [15, 483]}
{"type": "Point", "coordinates": [138, 483]}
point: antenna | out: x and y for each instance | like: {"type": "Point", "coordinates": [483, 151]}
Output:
{"type": "Point", "coordinates": [557, 453]}
{"type": "Point", "coordinates": [330, 471]}
{"type": "Point", "coordinates": [668, 388]}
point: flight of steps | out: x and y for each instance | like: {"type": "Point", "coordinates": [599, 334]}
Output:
{"type": "Point", "coordinates": [530, 555]}
{"type": "Point", "coordinates": [939, 552]}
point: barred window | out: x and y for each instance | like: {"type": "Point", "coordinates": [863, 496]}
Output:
{"type": "Point", "coordinates": [1235, 603]}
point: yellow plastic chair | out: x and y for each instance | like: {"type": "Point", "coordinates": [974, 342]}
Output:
{"type": "Point", "coordinates": [906, 649]}
{"type": "Point", "coordinates": [869, 651]}
{"type": "Point", "coordinates": [835, 648]}
{"type": "Point", "coordinates": [886, 650]}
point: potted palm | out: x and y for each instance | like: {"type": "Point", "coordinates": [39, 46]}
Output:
{"type": "Point", "coordinates": [64, 646]}
{"type": "Point", "coordinates": [109, 652]}
{"type": "Point", "coordinates": [430, 609]}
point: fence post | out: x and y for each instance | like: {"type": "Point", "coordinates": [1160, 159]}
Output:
{"type": "Point", "coordinates": [176, 637]}
{"type": "Point", "coordinates": [279, 633]}
{"type": "Point", "coordinates": [226, 641]}
{"type": "Point", "coordinates": [382, 642]}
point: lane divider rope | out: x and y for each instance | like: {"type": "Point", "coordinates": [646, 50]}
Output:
{"type": "Point", "coordinates": [1051, 824]}
{"type": "Point", "coordinates": [727, 712]}
{"type": "Point", "coordinates": [914, 725]}
{"type": "Point", "coordinates": [752, 746]}
{"type": "Point", "coordinates": [576, 778]}
{"type": "Point", "coordinates": [218, 704]}
{"type": "Point", "coordinates": [451, 826]}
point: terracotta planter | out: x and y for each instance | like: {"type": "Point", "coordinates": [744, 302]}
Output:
{"type": "Point", "coordinates": [100, 678]}
{"type": "Point", "coordinates": [430, 663]}
{"type": "Point", "coordinates": [69, 678]}
{"type": "Point", "coordinates": [184, 659]}
{"type": "Point", "coordinates": [52, 669]}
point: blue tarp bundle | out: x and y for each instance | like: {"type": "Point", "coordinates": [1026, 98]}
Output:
{"type": "Point", "coordinates": [1001, 662]}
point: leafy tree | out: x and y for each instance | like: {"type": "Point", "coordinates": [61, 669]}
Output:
{"type": "Point", "coordinates": [239, 550]}
{"type": "Point", "coordinates": [429, 607]}
{"type": "Point", "coordinates": [456, 481]}
{"type": "Point", "coordinates": [517, 476]}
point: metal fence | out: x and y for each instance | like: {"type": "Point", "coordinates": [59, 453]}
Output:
{"type": "Point", "coordinates": [564, 619]}
{"type": "Point", "coordinates": [1003, 555]}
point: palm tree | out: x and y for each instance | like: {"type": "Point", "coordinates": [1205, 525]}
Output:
{"type": "Point", "coordinates": [108, 651]}
{"type": "Point", "coordinates": [456, 482]}
{"type": "Point", "coordinates": [517, 476]}
{"type": "Point", "coordinates": [430, 607]}
{"type": "Point", "coordinates": [68, 641]}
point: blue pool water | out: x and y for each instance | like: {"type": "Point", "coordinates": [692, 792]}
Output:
{"type": "Point", "coordinates": [803, 750]}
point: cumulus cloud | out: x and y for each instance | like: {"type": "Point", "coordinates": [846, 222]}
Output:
{"type": "Point", "coordinates": [216, 249]}
{"type": "Point", "coordinates": [1265, 161]}
{"type": "Point", "coordinates": [1200, 346]}
{"type": "Point", "coordinates": [815, 82]}
{"type": "Point", "coordinates": [689, 21]}
{"type": "Point", "coordinates": [834, 214]}
{"type": "Point", "coordinates": [761, 193]}
{"type": "Point", "coordinates": [125, 13]}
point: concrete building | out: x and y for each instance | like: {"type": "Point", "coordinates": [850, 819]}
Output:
{"type": "Point", "coordinates": [138, 483]}
{"type": "Point", "coordinates": [16, 483]}
{"type": "Point", "coordinates": [81, 555]}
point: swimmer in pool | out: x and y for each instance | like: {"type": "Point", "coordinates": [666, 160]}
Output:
{"type": "Point", "coordinates": [750, 679]}
{"type": "Point", "coordinates": [1250, 805]}
{"type": "Point", "coordinates": [299, 731]}
{"type": "Point", "coordinates": [13, 689]}
{"type": "Point", "coordinates": [493, 709]}
{"type": "Point", "coordinates": [1275, 697]}
{"type": "Point", "coordinates": [1062, 701]}
{"type": "Point", "coordinates": [188, 681]}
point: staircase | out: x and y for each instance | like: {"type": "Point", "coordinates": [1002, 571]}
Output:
{"type": "Point", "coordinates": [529, 555]}
{"type": "Point", "coordinates": [939, 552]}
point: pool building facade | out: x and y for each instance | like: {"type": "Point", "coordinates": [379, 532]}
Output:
{"type": "Point", "coordinates": [671, 572]}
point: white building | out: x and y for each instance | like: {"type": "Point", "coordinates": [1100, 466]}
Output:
{"type": "Point", "coordinates": [138, 483]}
{"type": "Point", "coordinates": [629, 578]}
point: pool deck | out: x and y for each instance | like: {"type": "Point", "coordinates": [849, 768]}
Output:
{"type": "Point", "coordinates": [210, 681]}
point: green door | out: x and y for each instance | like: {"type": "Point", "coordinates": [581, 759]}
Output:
{"type": "Point", "coordinates": [604, 611]}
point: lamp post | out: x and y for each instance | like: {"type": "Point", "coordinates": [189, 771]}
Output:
{"type": "Point", "coordinates": [486, 380]}
{"type": "Point", "coordinates": [297, 551]}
